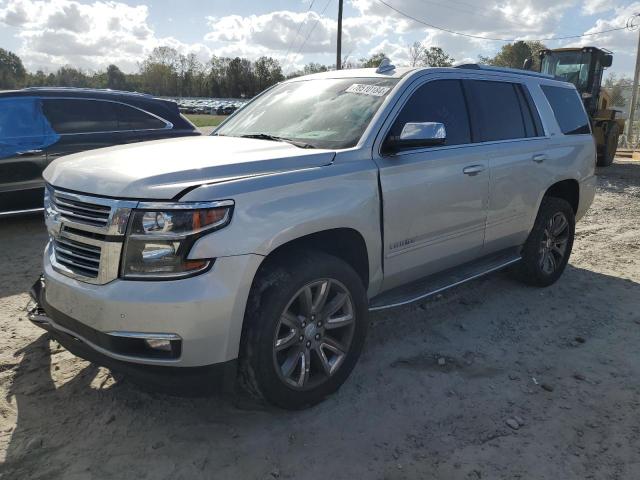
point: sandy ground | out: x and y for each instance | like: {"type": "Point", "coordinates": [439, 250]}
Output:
{"type": "Point", "coordinates": [561, 365]}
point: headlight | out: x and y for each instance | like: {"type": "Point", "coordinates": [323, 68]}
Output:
{"type": "Point", "coordinates": [160, 236]}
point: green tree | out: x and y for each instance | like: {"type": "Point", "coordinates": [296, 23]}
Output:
{"type": "Point", "coordinates": [514, 54]}
{"type": "Point", "coordinates": [616, 87]}
{"type": "Point", "coordinates": [373, 61]}
{"type": "Point", "coordinates": [71, 77]}
{"type": "Point", "coordinates": [159, 71]}
{"type": "Point", "coordinates": [419, 55]}
{"type": "Point", "coordinates": [268, 72]}
{"type": "Point", "coordinates": [115, 79]}
{"type": "Point", "coordinates": [12, 71]}
{"type": "Point", "coordinates": [436, 57]}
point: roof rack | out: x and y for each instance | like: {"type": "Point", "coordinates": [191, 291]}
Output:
{"type": "Point", "coordinates": [87, 89]}
{"type": "Point", "coordinates": [490, 68]}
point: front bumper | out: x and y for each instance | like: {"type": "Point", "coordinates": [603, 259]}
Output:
{"type": "Point", "coordinates": [193, 380]}
{"type": "Point", "coordinates": [204, 314]}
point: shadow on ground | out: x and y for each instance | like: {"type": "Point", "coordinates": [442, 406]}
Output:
{"type": "Point", "coordinates": [400, 415]}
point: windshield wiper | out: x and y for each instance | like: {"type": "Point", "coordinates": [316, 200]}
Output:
{"type": "Point", "coordinates": [275, 138]}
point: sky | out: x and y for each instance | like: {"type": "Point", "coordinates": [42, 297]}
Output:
{"type": "Point", "coordinates": [48, 34]}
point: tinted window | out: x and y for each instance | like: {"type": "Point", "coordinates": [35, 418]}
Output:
{"type": "Point", "coordinates": [130, 118]}
{"type": "Point", "coordinates": [438, 101]}
{"type": "Point", "coordinates": [80, 116]}
{"type": "Point", "coordinates": [495, 110]}
{"type": "Point", "coordinates": [531, 107]}
{"type": "Point", "coordinates": [568, 109]}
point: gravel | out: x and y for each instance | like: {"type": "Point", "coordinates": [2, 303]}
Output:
{"type": "Point", "coordinates": [63, 418]}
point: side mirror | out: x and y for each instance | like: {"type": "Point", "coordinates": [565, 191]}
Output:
{"type": "Point", "coordinates": [424, 134]}
{"type": "Point", "coordinates": [607, 60]}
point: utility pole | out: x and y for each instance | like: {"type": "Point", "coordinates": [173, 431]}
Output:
{"type": "Point", "coordinates": [339, 52]}
{"type": "Point", "coordinates": [634, 93]}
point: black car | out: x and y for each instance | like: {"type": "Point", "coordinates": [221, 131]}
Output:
{"type": "Point", "coordinates": [37, 125]}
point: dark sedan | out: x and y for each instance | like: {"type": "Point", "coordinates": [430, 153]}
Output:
{"type": "Point", "coordinates": [38, 125]}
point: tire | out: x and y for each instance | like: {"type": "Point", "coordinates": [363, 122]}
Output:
{"type": "Point", "coordinates": [284, 330]}
{"type": "Point", "coordinates": [610, 147]}
{"type": "Point", "coordinates": [546, 252]}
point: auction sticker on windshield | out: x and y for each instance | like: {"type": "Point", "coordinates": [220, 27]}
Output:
{"type": "Point", "coordinates": [363, 89]}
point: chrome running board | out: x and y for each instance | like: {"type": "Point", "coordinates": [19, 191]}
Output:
{"type": "Point", "coordinates": [438, 282]}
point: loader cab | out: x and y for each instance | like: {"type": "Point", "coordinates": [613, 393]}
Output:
{"type": "Point", "coordinates": [581, 66]}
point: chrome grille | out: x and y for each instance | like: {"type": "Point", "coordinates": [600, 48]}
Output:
{"type": "Point", "coordinates": [81, 258]}
{"type": "Point", "coordinates": [81, 212]}
{"type": "Point", "coordinates": [87, 234]}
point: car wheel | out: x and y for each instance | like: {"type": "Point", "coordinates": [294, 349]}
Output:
{"type": "Point", "coordinates": [546, 252]}
{"type": "Point", "coordinates": [304, 329]}
{"type": "Point", "coordinates": [610, 147]}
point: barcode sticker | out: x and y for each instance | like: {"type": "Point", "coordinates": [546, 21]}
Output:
{"type": "Point", "coordinates": [363, 89]}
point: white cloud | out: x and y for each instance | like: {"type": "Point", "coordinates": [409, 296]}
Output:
{"type": "Point", "coordinates": [93, 33]}
{"type": "Point", "coordinates": [621, 42]}
{"type": "Point", "coordinates": [90, 36]}
{"type": "Point", "coordinates": [591, 7]}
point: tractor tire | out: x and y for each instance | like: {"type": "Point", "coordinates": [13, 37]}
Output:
{"type": "Point", "coordinates": [610, 147]}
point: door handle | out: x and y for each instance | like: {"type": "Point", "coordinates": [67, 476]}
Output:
{"type": "Point", "coordinates": [473, 169]}
{"type": "Point", "coordinates": [539, 158]}
{"type": "Point", "coordinates": [29, 153]}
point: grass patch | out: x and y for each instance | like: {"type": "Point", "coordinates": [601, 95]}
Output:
{"type": "Point", "coordinates": [202, 120]}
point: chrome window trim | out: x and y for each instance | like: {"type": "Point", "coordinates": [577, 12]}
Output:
{"type": "Point", "coordinates": [167, 124]}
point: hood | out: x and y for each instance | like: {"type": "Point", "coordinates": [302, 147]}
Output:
{"type": "Point", "coordinates": [161, 169]}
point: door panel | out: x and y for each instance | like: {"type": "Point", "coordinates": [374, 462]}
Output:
{"type": "Point", "coordinates": [434, 198]}
{"type": "Point", "coordinates": [516, 182]}
{"type": "Point", "coordinates": [24, 135]}
{"type": "Point", "coordinates": [514, 145]}
{"type": "Point", "coordinates": [434, 214]}
{"type": "Point", "coordinates": [21, 184]}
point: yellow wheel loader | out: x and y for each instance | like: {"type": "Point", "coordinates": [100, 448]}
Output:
{"type": "Point", "coordinates": [584, 67]}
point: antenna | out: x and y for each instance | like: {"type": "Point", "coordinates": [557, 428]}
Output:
{"type": "Point", "coordinates": [385, 66]}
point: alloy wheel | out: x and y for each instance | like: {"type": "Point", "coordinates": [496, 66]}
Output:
{"type": "Point", "coordinates": [553, 247]}
{"type": "Point", "coordinates": [314, 334]}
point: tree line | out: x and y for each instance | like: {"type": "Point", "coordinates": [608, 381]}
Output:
{"type": "Point", "coordinates": [166, 72]}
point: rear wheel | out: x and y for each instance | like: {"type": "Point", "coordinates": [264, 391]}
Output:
{"type": "Point", "coordinates": [610, 147]}
{"type": "Point", "coordinates": [304, 329]}
{"type": "Point", "coordinates": [546, 252]}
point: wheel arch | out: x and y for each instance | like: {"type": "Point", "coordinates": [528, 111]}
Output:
{"type": "Point", "coordinates": [344, 243]}
{"type": "Point", "coordinates": [568, 190]}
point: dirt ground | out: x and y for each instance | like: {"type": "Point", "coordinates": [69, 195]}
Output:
{"type": "Point", "coordinates": [561, 365]}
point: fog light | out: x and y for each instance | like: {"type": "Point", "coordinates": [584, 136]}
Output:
{"type": "Point", "coordinates": [159, 344]}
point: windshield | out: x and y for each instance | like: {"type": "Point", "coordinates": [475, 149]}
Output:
{"type": "Point", "coordinates": [571, 67]}
{"type": "Point", "coordinates": [324, 113]}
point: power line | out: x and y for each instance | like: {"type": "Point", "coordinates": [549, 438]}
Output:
{"type": "Point", "coordinates": [628, 26]}
{"type": "Point", "coordinates": [313, 27]}
{"type": "Point", "coordinates": [295, 37]}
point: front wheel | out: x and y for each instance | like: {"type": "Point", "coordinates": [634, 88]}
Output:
{"type": "Point", "coordinates": [546, 252]}
{"type": "Point", "coordinates": [304, 329]}
{"type": "Point", "coordinates": [610, 147]}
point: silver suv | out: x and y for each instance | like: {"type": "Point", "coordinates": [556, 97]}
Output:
{"type": "Point", "coordinates": [256, 253]}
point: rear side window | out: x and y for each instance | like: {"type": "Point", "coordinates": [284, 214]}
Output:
{"type": "Point", "coordinates": [568, 109]}
{"type": "Point", "coordinates": [438, 101]}
{"type": "Point", "coordinates": [68, 115]}
{"type": "Point", "coordinates": [130, 118]}
{"type": "Point", "coordinates": [497, 111]}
